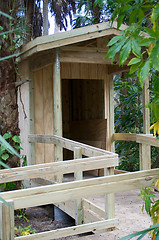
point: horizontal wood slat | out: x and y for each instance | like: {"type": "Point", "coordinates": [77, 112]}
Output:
{"type": "Point", "coordinates": [52, 169]}
{"type": "Point", "coordinates": [80, 189]}
{"type": "Point", "coordinates": [54, 234]}
{"type": "Point", "coordinates": [69, 144]}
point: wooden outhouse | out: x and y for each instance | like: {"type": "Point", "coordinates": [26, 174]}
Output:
{"type": "Point", "coordinates": [66, 89]}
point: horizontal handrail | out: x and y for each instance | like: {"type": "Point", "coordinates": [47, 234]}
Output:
{"type": "Point", "coordinates": [87, 150]}
{"type": "Point", "coordinates": [148, 139]}
{"type": "Point", "coordinates": [80, 189]}
{"type": "Point", "coordinates": [54, 168]}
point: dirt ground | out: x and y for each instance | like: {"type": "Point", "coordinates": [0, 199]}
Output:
{"type": "Point", "coordinates": [128, 209]}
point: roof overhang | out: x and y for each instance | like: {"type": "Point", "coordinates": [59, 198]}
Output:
{"type": "Point", "coordinates": [60, 39]}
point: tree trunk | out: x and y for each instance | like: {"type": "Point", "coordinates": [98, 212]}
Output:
{"type": "Point", "coordinates": [45, 17]}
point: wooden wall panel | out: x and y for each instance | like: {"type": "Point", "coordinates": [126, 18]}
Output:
{"type": "Point", "coordinates": [48, 110]}
{"type": "Point", "coordinates": [38, 114]}
{"type": "Point", "coordinates": [43, 112]}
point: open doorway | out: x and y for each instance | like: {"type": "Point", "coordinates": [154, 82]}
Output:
{"type": "Point", "coordinates": [83, 111]}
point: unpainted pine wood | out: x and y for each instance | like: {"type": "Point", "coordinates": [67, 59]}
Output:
{"type": "Point", "coordinates": [94, 208]}
{"type": "Point", "coordinates": [44, 170]}
{"type": "Point", "coordinates": [80, 192]}
{"type": "Point", "coordinates": [147, 139]}
{"type": "Point", "coordinates": [124, 137]}
{"type": "Point", "coordinates": [144, 153]}
{"type": "Point", "coordinates": [7, 220]}
{"type": "Point", "coordinates": [77, 177]}
{"type": "Point", "coordinates": [69, 144]}
{"type": "Point", "coordinates": [109, 198]}
{"type": "Point", "coordinates": [39, 114]}
{"type": "Point", "coordinates": [115, 183]}
{"type": "Point", "coordinates": [48, 111]}
{"type": "Point", "coordinates": [111, 145]}
{"type": "Point", "coordinates": [90, 131]}
{"type": "Point", "coordinates": [145, 150]}
{"type": "Point", "coordinates": [69, 231]}
{"type": "Point", "coordinates": [31, 157]}
{"type": "Point", "coordinates": [57, 92]}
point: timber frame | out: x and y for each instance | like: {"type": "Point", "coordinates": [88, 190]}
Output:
{"type": "Point", "coordinates": [77, 190]}
{"type": "Point", "coordinates": [65, 93]}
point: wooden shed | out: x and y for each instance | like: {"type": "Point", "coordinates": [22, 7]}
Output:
{"type": "Point", "coordinates": [66, 89]}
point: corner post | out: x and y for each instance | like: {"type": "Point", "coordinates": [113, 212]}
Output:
{"type": "Point", "coordinates": [111, 112]}
{"type": "Point", "coordinates": [7, 220]}
{"type": "Point", "coordinates": [78, 176]}
{"type": "Point", "coordinates": [145, 150]}
{"type": "Point", "coordinates": [57, 109]}
{"type": "Point", "coordinates": [109, 198]}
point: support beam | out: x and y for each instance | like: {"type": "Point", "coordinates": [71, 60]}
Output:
{"type": "Point", "coordinates": [109, 198]}
{"type": "Point", "coordinates": [78, 176]}
{"type": "Point", "coordinates": [7, 220]}
{"type": "Point", "coordinates": [57, 109]}
{"type": "Point", "coordinates": [111, 113]}
{"type": "Point", "coordinates": [145, 150]}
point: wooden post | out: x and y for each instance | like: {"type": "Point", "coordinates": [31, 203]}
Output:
{"type": "Point", "coordinates": [109, 198]}
{"type": "Point", "coordinates": [78, 176]}
{"type": "Point", "coordinates": [111, 113]}
{"type": "Point", "coordinates": [31, 157]}
{"type": "Point", "coordinates": [7, 220]}
{"type": "Point", "coordinates": [57, 109]}
{"type": "Point", "coordinates": [145, 150]}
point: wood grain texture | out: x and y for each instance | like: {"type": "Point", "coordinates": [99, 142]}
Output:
{"type": "Point", "coordinates": [39, 114]}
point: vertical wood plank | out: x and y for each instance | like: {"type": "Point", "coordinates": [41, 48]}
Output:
{"type": "Point", "coordinates": [48, 111]}
{"type": "Point", "coordinates": [31, 159]}
{"type": "Point", "coordinates": [145, 158]}
{"type": "Point", "coordinates": [1, 221]}
{"type": "Point", "coordinates": [109, 198]}
{"type": "Point", "coordinates": [111, 116]}
{"type": "Point", "coordinates": [78, 176]}
{"type": "Point", "coordinates": [38, 114]}
{"type": "Point", "coordinates": [145, 150]}
{"type": "Point", "coordinates": [57, 109]}
{"type": "Point", "coordinates": [7, 218]}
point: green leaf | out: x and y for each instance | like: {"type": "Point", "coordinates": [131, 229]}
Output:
{"type": "Point", "coordinates": [115, 48]}
{"type": "Point", "coordinates": [154, 57]}
{"type": "Point", "coordinates": [136, 47]}
{"type": "Point", "coordinates": [7, 135]}
{"type": "Point", "coordinates": [141, 14]}
{"type": "Point", "coordinates": [133, 15]}
{"type": "Point", "coordinates": [6, 15]}
{"type": "Point", "coordinates": [114, 40]}
{"type": "Point", "coordinates": [134, 68]}
{"type": "Point", "coordinates": [134, 61]}
{"type": "Point", "coordinates": [16, 146]}
{"type": "Point", "coordinates": [125, 52]}
{"type": "Point", "coordinates": [8, 147]}
{"type": "Point", "coordinates": [4, 165]}
{"type": "Point", "coordinates": [146, 42]}
{"type": "Point", "coordinates": [151, 32]}
{"type": "Point", "coordinates": [141, 232]}
{"type": "Point", "coordinates": [5, 156]}
{"type": "Point", "coordinates": [16, 139]}
{"type": "Point", "coordinates": [155, 13]}
{"type": "Point", "coordinates": [120, 20]}
{"type": "Point", "coordinates": [143, 72]}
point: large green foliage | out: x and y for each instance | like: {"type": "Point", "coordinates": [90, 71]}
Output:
{"type": "Point", "coordinates": [128, 118]}
{"type": "Point", "coordinates": [139, 42]}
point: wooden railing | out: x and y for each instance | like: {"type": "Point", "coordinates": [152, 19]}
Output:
{"type": "Point", "coordinates": [96, 159]}
{"type": "Point", "coordinates": [144, 141]}
{"type": "Point", "coordinates": [74, 190]}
